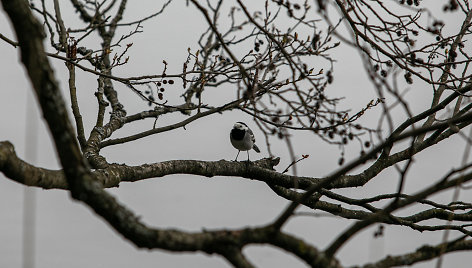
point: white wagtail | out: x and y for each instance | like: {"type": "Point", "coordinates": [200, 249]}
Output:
{"type": "Point", "coordinates": [243, 139]}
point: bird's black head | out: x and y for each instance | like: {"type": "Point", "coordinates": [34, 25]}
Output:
{"type": "Point", "coordinates": [240, 125]}
{"type": "Point", "coordinates": [238, 131]}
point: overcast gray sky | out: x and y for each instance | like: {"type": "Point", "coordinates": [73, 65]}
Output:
{"type": "Point", "coordinates": [70, 235]}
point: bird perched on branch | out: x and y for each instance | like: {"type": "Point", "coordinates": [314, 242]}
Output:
{"type": "Point", "coordinates": [243, 139]}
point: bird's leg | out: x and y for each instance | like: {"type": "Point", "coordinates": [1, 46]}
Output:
{"type": "Point", "coordinates": [237, 156]}
{"type": "Point", "coordinates": [247, 155]}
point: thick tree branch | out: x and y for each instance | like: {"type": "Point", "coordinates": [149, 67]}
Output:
{"type": "Point", "coordinates": [444, 183]}
{"type": "Point", "coordinates": [80, 179]}
{"type": "Point", "coordinates": [18, 170]}
{"type": "Point", "coordinates": [423, 253]}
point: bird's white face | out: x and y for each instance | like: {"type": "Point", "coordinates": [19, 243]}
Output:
{"type": "Point", "coordinates": [240, 126]}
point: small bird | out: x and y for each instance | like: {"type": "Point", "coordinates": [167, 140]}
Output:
{"type": "Point", "coordinates": [243, 139]}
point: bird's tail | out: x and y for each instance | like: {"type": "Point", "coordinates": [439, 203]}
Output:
{"type": "Point", "coordinates": [256, 148]}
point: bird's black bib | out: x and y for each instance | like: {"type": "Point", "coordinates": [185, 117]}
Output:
{"type": "Point", "coordinates": [237, 134]}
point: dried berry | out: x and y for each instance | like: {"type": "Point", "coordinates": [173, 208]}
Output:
{"type": "Point", "coordinates": [330, 77]}
{"type": "Point", "coordinates": [331, 134]}
{"type": "Point", "coordinates": [408, 78]}
{"type": "Point", "coordinates": [280, 135]}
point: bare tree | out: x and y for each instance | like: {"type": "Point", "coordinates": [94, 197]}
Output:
{"type": "Point", "coordinates": [276, 63]}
